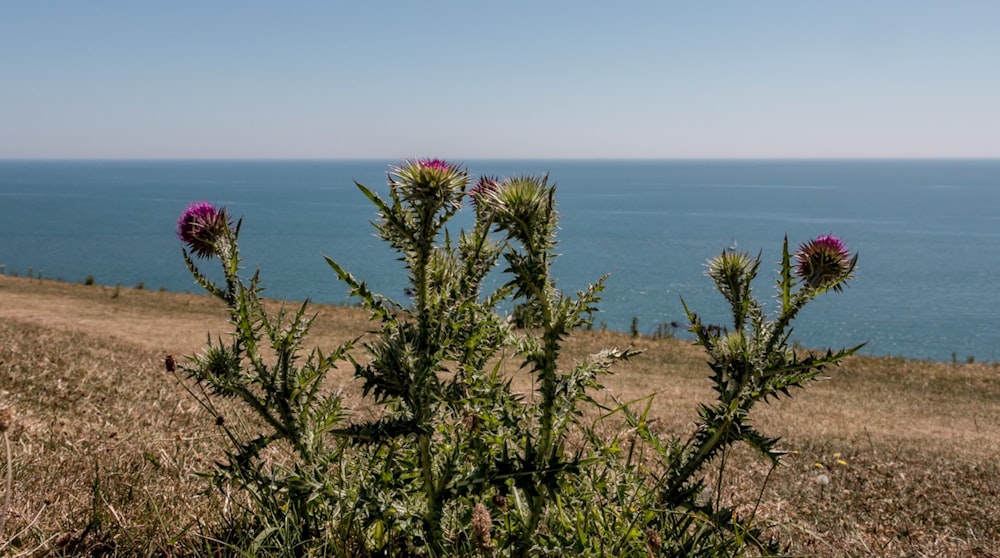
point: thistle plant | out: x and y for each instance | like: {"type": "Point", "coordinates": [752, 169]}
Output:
{"type": "Point", "coordinates": [446, 329]}
{"type": "Point", "coordinates": [280, 456]}
{"type": "Point", "coordinates": [471, 436]}
{"type": "Point", "coordinates": [751, 362]}
{"type": "Point", "coordinates": [455, 461]}
{"type": "Point", "coordinates": [523, 209]}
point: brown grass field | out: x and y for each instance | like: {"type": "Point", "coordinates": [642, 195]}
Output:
{"type": "Point", "coordinates": [105, 445]}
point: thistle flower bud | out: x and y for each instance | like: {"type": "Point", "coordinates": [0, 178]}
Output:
{"type": "Point", "coordinates": [525, 208]}
{"type": "Point", "coordinates": [731, 268]}
{"type": "Point", "coordinates": [483, 190]}
{"type": "Point", "coordinates": [433, 181]}
{"type": "Point", "coordinates": [824, 262]}
{"type": "Point", "coordinates": [202, 227]}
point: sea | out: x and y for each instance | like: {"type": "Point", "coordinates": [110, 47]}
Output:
{"type": "Point", "coordinates": [927, 233]}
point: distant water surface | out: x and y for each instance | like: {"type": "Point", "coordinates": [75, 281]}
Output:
{"type": "Point", "coordinates": [928, 281]}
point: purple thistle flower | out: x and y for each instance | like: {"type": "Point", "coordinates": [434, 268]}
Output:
{"type": "Point", "coordinates": [486, 186]}
{"type": "Point", "coordinates": [823, 261]}
{"type": "Point", "coordinates": [436, 164]}
{"type": "Point", "coordinates": [201, 226]}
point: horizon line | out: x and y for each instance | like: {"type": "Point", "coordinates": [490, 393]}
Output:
{"type": "Point", "coordinates": [566, 159]}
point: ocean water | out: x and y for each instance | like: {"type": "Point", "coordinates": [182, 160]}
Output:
{"type": "Point", "coordinates": [928, 234]}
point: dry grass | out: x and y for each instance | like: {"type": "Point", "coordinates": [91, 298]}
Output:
{"type": "Point", "coordinates": [106, 445]}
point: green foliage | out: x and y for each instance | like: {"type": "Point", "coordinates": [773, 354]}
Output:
{"type": "Point", "coordinates": [750, 363]}
{"type": "Point", "coordinates": [452, 460]}
{"type": "Point", "coordinates": [432, 353]}
{"type": "Point", "coordinates": [281, 457]}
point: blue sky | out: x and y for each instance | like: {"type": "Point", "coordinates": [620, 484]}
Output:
{"type": "Point", "coordinates": [538, 79]}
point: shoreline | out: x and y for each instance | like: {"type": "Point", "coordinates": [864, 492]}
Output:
{"type": "Point", "coordinates": [674, 330]}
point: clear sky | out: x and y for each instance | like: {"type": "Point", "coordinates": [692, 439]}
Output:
{"type": "Point", "coordinates": [512, 79]}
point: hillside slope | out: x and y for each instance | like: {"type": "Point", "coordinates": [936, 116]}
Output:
{"type": "Point", "coordinates": [106, 444]}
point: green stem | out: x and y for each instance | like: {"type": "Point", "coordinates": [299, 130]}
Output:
{"type": "Point", "coordinates": [784, 319]}
{"type": "Point", "coordinates": [547, 375]}
{"type": "Point", "coordinates": [432, 519]}
{"type": "Point", "coordinates": [705, 450]}
{"type": "Point", "coordinates": [548, 389]}
{"type": "Point", "coordinates": [421, 402]}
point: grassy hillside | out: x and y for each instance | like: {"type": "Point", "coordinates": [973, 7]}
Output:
{"type": "Point", "coordinates": [890, 457]}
